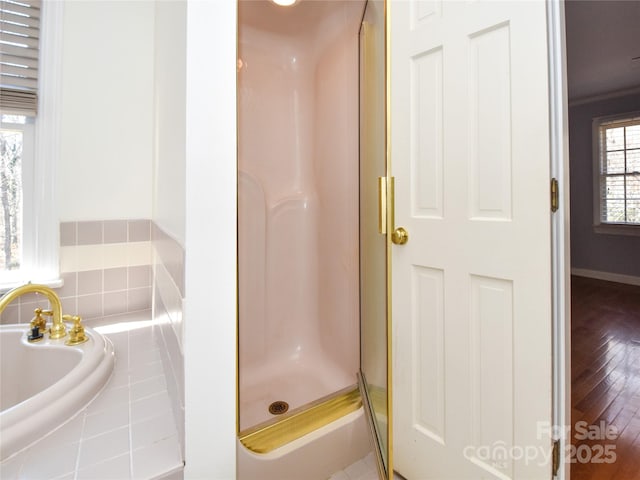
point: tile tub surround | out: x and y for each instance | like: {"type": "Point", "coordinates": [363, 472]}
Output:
{"type": "Point", "coordinates": [105, 266]}
{"type": "Point", "coordinates": [170, 254]}
{"type": "Point", "coordinates": [91, 294]}
{"type": "Point", "coordinates": [168, 298]}
{"type": "Point", "coordinates": [126, 432]}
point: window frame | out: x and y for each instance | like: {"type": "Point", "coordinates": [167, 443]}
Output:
{"type": "Point", "coordinates": [599, 226]}
{"type": "Point", "coordinates": [27, 160]}
{"type": "Point", "coordinates": [40, 244]}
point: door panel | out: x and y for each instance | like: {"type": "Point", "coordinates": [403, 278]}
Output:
{"type": "Point", "coordinates": [373, 243]}
{"type": "Point", "coordinates": [471, 289]}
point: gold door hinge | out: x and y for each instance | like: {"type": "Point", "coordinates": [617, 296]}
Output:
{"type": "Point", "coordinates": [554, 195]}
{"type": "Point", "coordinates": [555, 455]}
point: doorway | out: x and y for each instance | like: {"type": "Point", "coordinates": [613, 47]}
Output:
{"type": "Point", "coordinates": [603, 80]}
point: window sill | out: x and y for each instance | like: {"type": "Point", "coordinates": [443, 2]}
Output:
{"type": "Point", "coordinates": [617, 229]}
{"type": "Point", "coordinates": [5, 286]}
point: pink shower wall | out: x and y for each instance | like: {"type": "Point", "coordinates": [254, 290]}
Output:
{"type": "Point", "coordinates": [298, 186]}
{"type": "Point", "coordinates": [336, 172]}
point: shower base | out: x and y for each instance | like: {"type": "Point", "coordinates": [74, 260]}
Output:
{"type": "Point", "coordinates": [299, 384]}
{"type": "Point", "coordinates": [274, 434]}
{"type": "Point", "coordinates": [315, 456]}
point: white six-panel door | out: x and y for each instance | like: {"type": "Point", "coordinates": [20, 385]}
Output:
{"type": "Point", "coordinates": [472, 287]}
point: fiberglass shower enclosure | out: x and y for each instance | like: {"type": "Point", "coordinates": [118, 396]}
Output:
{"type": "Point", "coordinates": [298, 204]}
{"type": "Point", "coordinates": [311, 260]}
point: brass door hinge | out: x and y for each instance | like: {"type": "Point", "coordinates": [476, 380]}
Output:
{"type": "Point", "coordinates": [554, 195]}
{"type": "Point", "coordinates": [555, 455]}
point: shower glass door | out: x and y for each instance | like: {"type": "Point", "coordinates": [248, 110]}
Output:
{"type": "Point", "coordinates": [374, 352]}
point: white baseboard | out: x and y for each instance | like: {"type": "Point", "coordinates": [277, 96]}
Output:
{"type": "Point", "coordinates": [610, 277]}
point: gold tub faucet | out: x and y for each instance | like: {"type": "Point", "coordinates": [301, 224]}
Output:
{"type": "Point", "coordinates": [58, 328]}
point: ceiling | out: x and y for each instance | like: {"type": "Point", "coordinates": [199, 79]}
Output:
{"type": "Point", "coordinates": [603, 36]}
{"type": "Point", "coordinates": [300, 19]}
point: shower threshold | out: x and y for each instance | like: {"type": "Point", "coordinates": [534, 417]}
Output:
{"type": "Point", "coordinates": [268, 436]}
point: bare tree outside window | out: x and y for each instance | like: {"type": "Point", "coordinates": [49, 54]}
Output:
{"type": "Point", "coordinates": [11, 191]}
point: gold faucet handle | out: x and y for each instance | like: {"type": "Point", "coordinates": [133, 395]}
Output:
{"type": "Point", "coordinates": [38, 320]}
{"type": "Point", "coordinates": [76, 333]}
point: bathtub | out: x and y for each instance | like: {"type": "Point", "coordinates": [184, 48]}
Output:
{"type": "Point", "coordinates": [44, 384]}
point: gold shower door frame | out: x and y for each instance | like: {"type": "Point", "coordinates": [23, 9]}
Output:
{"type": "Point", "coordinates": [376, 219]}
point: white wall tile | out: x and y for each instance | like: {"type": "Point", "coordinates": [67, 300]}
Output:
{"type": "Point", "coordinates": [148, 432]}
{"type": "Point", "coordinates": [115, 255]}
{"type": "Point", "coordinates": [157, 459]}
{"type": "Point", "coordinates": [148, 388]}
{"type": "Point", "coordinates": [68, 259]}
{"type": "Point", "coordinates": [117, 468]}
{"type": "Point", "coordinates": [88, 257]}
{"type": "Point", "coordinates": [105, 446]}
{"type": "Point", "coordinates": [139, 253]}
{"type": "Point", "coordinates": [153, 406]}
{"type": "Point", "coordinates": [105, 420]}
{"type": "Point", "coordinates": [59, 460]}
{"type": "Point", "coordinates": [112, 396]}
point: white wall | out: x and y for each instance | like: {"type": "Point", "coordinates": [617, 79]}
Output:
{"type": "Point", "coordinates": [122, 160]}
{"type": "Point", "coordinates": [210, 360]}
{"type": "Point", "coordinates": [169, 200]}
{"type": "Point", "coordinates": [106, 111]}
{"type": "Point", "coordinates": [170, 129]}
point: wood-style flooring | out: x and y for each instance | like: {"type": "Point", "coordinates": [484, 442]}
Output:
{"type": "Point", "coordinates": [605, 378]}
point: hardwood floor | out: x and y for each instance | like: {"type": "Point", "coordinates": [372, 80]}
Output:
{"type": "Point", "coordinates": [605, 377]}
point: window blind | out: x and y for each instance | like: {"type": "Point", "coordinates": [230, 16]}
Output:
{"type": "Point", "coordinates": [19, 38]}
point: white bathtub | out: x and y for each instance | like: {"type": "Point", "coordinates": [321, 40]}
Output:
{"type": "Point", "coordinates": [44, 384]}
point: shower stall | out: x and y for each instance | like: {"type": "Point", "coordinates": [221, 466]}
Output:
{"type": "Point", "coordinates": [298, 221]}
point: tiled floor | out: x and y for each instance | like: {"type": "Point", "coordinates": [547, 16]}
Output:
{"type": "Point", "coordinates": [127, 432]}
{"type": "Point", "coordinates": [363, 469]}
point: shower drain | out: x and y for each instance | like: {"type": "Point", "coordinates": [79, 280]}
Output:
{"type": "Point", "coordinates": [278, 408]}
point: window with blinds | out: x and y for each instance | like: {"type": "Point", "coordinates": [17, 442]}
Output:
{"type": "Point", "coordinates": [19, 39]}
{"type": "Point", "coordinates": [19, 57]}
{"type": "Point", "coordinates": [618, 154]}
{"type": "Point", "coordinates": [31, 35]}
